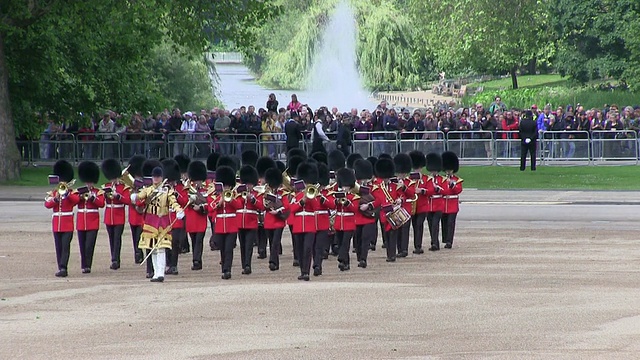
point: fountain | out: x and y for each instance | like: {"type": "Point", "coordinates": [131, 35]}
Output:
{"type": "Point", "coordinates": [334, 79]}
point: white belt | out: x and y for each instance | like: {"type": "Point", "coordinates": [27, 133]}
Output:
{"type": "Point", "coordinates": [323, 212]}
{"type": "Point", "coordinates": [340, 213]}
{"type": "Point", "coordinates": [225, 215]}
{"type": "Point", "coordinates": [410, 200]}
{"type": "Point", "coordinates": [305, 213]}
{"type": "Point", "coordinates": [68, 213]}
{"type": "Point", "coordinates": [451, 197]}
{"type": "Point", "coordinates": [246, 211]}
{"type": "Point", "coordinates": [115, 206]}
{"type": "Point", "coordinates": [436, 196]}
{"type": "Point", "coordinates": [87, 210]}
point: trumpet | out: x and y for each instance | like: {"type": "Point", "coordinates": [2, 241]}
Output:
{"type": "Point", "coordinates": [227, 195]}
{"type": "Point", "coordinates": [62, 190]}
{"type": "Point", "coordinates": [311, 191]}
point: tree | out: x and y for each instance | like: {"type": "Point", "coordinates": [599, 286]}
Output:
{"type": "Point", "coordinates": [69, 56]}
{"type": "Point", "coordinates": [475, 35]}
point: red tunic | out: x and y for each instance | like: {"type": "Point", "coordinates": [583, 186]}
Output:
{"type": "Point", "coordinates": [345, 215]}
{"type": "Point", "coordinates": [182, 197]}
{"type": "Point", "coordinates": [409, 195]}
{"type": "Point", "coordinates": [248, 212]}
{"type": "Point", "coordinates": [395, 191]}
{"type": "Point", "coordinates": [451, 195]}
{"type": "Point", "coordinates": [323, 213]}
{"type": "Point", "coordinates": [62, 218]}
{"type": "Point", "coordinates": [435, 202]}
{"type": "Point", "coordinates": [114, 212]}
{"type": "Point", "coordinates": [272, 222]}
{"type": "Point", "coordinates": [136, 211]}
{"type": "Point", "coordinates": [423, 199]}
{"type": "Point", "coordinates": [225, 214]}
{"type": "Point", "coordinates": [304, 217]}
{"type": "Point", "coordinates": [88, 216]}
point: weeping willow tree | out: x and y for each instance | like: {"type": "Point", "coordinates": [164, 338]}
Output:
{"type": "Point", "coordinates": [387, 53]}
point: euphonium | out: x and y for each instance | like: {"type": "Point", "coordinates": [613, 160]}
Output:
{"type": "Point", "coordinates": [286, 181]}
{"type": "Point", "coordinates": [127, 178]}
{"type": "Point", "coordinates": [311, 191]}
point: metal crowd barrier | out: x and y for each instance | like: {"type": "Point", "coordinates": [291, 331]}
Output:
{"type": "Point", "coordinates": [374, 143]}
{"type": "Point", "coordinates": [196, 145]}
{"type": "Point", "coordinates": [472, 145]}
{"type": "Point", "coordinates": [565, 146]}
{"type": "Point", "coordinates": [614, 145]}
{"type": "Point", "coordinates": [235, 144]}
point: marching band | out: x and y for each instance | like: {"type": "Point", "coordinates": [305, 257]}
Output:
{"type": "Point", "coordinates": [330, 205]}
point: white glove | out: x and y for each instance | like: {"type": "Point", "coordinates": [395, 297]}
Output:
{"type": "Point", "coordinates": [134, 197]}
{"type": "Point", "coordinates": [180, 215]}
{"type": "Point", "coordinates": [527, 140]}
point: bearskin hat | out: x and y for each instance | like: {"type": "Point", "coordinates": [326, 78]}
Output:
{"type": "Point", "coordinates": [418, 159]}
{"type": "Point", "coordinates": [323, 174]}
{"type": "Point", "coordinates": [296, 152]}
{"type": "Point", "coordinates": [183, 161]}
{"type": "Point", "coordinates": [248, 175]}
{"type": "Point", "coordinates": [89, 172]}
{"type": "Point", "coordinates": [320, 157]}
{"type": "Point", "coordinates": [212, 161]}
{"type": "Point", "coordinates": [273, 177]}
{"type": "Point", "coordinates": [281, 166]}
{"type": "Point", "coordinates": [336, 160]}
{"type": "Point", "coordinates": [263, 164]}
{"type": "Point", "coordinates": [171, 169]}
{"type": "Point", "coordinates": [293, 163]}
{"type": "Point", "coordinates": [402, 162]}
{"type": "Point", "coordinates": [346, 177]}
{"type": "Point", "coordinates": [197, 171]}
{"type": "Point", "coordinates": [373, 160]}
{"type": "Point", "coordinates": [148, 165]}
{"type": "Point", "coordinates": [352, 158]}
{"type": "Point", "coordinates": [249, 157]}
{"type": "Point", "coordinates": [225, 160]}
{"type": "Point", "coordinates": [363, 169]}
{"type": "Point", "coordinates": [226, 175]}
{"type": "Point", "coordinates": [111, 169]}
{"type": "Point", "coordinates": [434, 162]}
{"type": "Point", "coordinates": [64, 170]}
{"type": "Point", "coordinates": [385, 169]}
{"type": "Point", "coordinates": [450, 161]}
{"type": "Point", "coordinates": [385, 156]}
{"type": "Point", "coordinates": [307, 173]}
{"type": "Point", "coordinates": [135, 165]}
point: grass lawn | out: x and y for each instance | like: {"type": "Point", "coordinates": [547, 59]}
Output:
{"type": "Point", "coordinates": [483, 177]}
{"type": "Point", "coordinates": [524, 81]}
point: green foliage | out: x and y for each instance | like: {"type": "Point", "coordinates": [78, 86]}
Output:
{"type": "Point", "coordinates": [524, 81]}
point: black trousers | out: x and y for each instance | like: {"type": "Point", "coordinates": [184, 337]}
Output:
{"type": "Point", "coordinates": [136, 231]}
{"type": "Point", "coordinates": [363, 238]}
{"type": "Point", "coordinates": [344, 238]}
{"type": "Point", "coordinates": [275, 239]}
{"type": "Point", "coordinates": [403, 237]}
{"type": "Point", "coordinates": [391, 238]}
{"type": "Point", "coordinates": [246, 237]}
{"type": "Point", "coordinates": [175, 248]}
{"type": "Point", "coordinates": [197, 242]}
{"type": "Point", "coordinates": [62, 241]}
{"type": "Point", "coordinates": [528, 148]}
{"type": "Point", "coordinates": [319, 245]}
{"type": "Point", "coordinates": [448, 227]}
{"type": "Point", "coordinates": [226, 242]}
{"type": "Point", "coordinates": [184, 240]}
{"type": "Point", "coordinates": [212, 243]}
{"type": "Point", "coordinates": [115, 241]}
{"type": "Point", "coordinates": [305, 244]}
{"type": "Point", "coordinates": [262, 241]}
{"type": "Point", "coordinates": [374, 241]}
{"type": "Point", "coordinates": [417, 222]}
{"type": "Point", "coordinates": [149, 263]}
{"type": "Point", "coordinates": [294, 243]}
{"type": "Point", "coordinates": [433, 220]}
{"type": "Point", "coordinates": [87, 242]}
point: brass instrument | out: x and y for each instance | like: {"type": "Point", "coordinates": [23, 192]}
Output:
{"type": "Point", "coordinates": [311, 191]}
{"type": "Point", "coordinates": [260, 189]}
{"type": "Point", "coordinates": [126, 178]}
{"type": "Point", "coordinates": [227, 195]}
{"type": "Point", "coordinates": [62, 190]}
{"type": "Point", "coordinates": [286, 182]}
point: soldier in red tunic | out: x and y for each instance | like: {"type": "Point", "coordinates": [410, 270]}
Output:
{"type": "Point", "coordinates": [224, 204]}
{"type": "Point", "coordinates": [171, 171]}
{"type": "Point", "coordinates": [451, 193]}
{"type": "Point", "coordinates": [336, 161]}
{"type": "Point", "coordinates": [212, 164]}
{"type": "Point", "coordinates": [276, 213]}
{"type": "Point", "coordinates": [62, 200]}
{"type": "Point", "coordinates": [116, 196]}
{"type": "Point", "coordinates": [323, 222]}
{"type": "Point", "coordinates": [247, 215]}
{"type": "Point", "coordinates": [435, 204]}
{"type": "Point", "coordinates": [403, 166]}
{"type": "Point", "coordinates": [418, 216]}
{"type": "Point", "coordinates": [365, 217]}
{"type": "Point", "coordinates": [196, 212]}
{"type": "Point", "coordinates": [346, 207]}
{"type": "Point", "coordinates": [391, 196]}
{"type": "Point", "coordinates": [292, 167]}
{"type": "Point", "coordinates": [136, 211]}
{"type": "Point", "coordinates": [263, 164]}
{"type": "Point", "coordinates": [183, 162]}
{"type": "Point", "coordinates": [88, 215]}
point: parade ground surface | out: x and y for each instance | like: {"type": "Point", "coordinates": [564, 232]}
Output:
{"type": "Point", "coordinates": [532, 275]}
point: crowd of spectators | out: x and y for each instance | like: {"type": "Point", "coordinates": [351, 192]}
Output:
{"type": "Point", "coordinates": [277, 128]}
